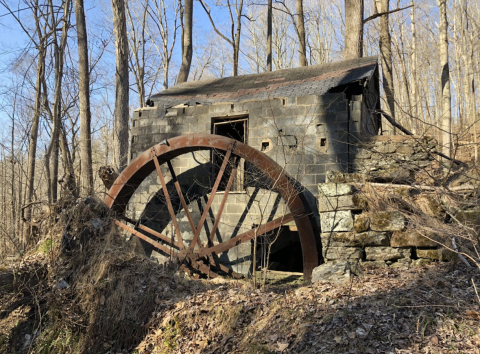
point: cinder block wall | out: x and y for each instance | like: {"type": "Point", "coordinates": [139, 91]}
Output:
{"type": "Point", "coordinates": [309, 135]}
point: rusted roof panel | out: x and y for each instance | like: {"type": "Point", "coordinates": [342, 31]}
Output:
{"type": "Point", "coordinates": [296, 82]}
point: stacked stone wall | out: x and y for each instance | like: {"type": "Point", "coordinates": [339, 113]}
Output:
{"type": "Point", "coordinates": [360, 228]}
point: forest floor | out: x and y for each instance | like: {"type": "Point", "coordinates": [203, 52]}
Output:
{"type": "Point", "coordinates": [104, 298]}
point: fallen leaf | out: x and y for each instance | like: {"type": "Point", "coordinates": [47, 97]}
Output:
{"type": "Point", "coordinates": [282, 346]}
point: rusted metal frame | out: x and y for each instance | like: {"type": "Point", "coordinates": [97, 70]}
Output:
{"type": "Point", "coordinates": [131, 177]}
{"type": "Point", "coordinates": [230, 148]}
{"type": "Point", "coordinates": [149, 230]}
{"type": "Point", "coordinates": [204, 269]}
{"type": "Point", "coordinates": [229, 271]}
{"type": "Point", "coordinates": [182, 200]}
{"type": "Point", "coordinates": [224, 200]}
{"type": "Point", "coordinates": [159, 235]}
{"type": "Point", "coordinates": [158, 245]}
{"type": "Point", "coordinates": [246, 236]}
{"type": "Point", "coordinates": [167, 197]}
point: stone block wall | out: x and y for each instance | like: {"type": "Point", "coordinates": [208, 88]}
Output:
{"type": "Point", "coordinates": [375, 238]}
{"type": "Point", "coordinates": [356, 232]}
{"type": "Point", "coordinates": [395, 159]}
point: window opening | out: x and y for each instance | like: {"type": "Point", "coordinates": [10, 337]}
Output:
{"type": "Point", "coordinates": [235, 128]}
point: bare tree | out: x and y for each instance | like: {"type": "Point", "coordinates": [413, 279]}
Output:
{"type": "Point", "coordinates": [52, 154]}
{"type": "Point", "coordinates": [120, 133]}
{"type": "Point", "coordinates": [353, 29]}
{"type": "Point", "coordinates": [446, 118]}
{"type": "Point", "coordinates": [302, 48]}
{"type": "Point", "coordinates": [187, 45]}
{"type": "Point", "coordinates": [236, 29]}
{"type": "Point", "coordinates": [84, 101]}
{"type": "Point", "coordinates": [269, 34]}
{"type": "Point", "coordinates": [386, 56]}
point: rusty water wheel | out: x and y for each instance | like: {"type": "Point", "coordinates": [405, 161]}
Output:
{"type": "Point", "coordinates": [196, 257]}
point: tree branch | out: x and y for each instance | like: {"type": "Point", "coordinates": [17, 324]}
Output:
{"type": "Point", "coordinates": [374, 16]}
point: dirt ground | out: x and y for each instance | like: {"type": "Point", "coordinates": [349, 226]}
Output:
{"type": "Point", "coordinates": [83, 289]}
{"type": "Point", "coordinates": [428, 310]}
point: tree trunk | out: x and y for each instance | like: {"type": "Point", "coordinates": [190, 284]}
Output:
{"type": "Point", "coordinates": [353, 29]}
{"type": "Point", "coordinates": [33, 135]}
{"type": "Point", "coordinates": [269, 35]}
{"type": "Point", "coordinates": [120, 133]}
{"type": "Point", "coordinates": [386, 56]}
{"type": "Point", "coordinates": [446, 118]}
{"type": "Point", "coordinates": [415, 96]}
{"type": "Point", "coordinates": [236, 39]}
{"type": "Point", "coordinates": [187, 47]}
{"type": "Point", "coordinates": [59, 50]}
{"type": "Point", "coordinates": [86, 178]}
{"type": "Point", "coordinates": [302, 48]}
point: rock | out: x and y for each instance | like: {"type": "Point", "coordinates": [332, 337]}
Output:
{"type": "Point", "coordinates": [385, 148]}
{"type": "Point", "coordinates": [387, 221]}
{"type": "Point", "coordinates": [336, 221]}
{"type": "Point", "coordinates": [340, 177]}
{"type": "Point", "coordinates": [402, 263]}
{"type": "Point", "coordinates": [469, 217]}
{"type": "Point", "coordinates": [337, 272]}
{"type": "Point", "coordinates": [97, 223]}
{"type": "Point", "coordinates": [440, 254]}
{"type": "Point", "coordinates": [361, 224]}
{"type": "Point", "coordinates": [334, 253]}
{"type": "Point", "coordinates": [62, 284]}
{"type": "Point", "coordinates": [353, 239]}
{"type": "Point", "coordinates": [387, 253]}
{"type": "Point", "coordinates": [343, 202]}
{"type": "Point", "coordinates": [392, 174]}
{"type": "Point", "coordinates": [421, 262]}
{"type": "Point", "coordinates": [405, 150]}
{"type": "Point", "coordinates": [411, 238]}
{"type": "Point", "coordinates": [429, 205]}
{"type": "Point", "coordinates": [374, 265]}
{"type": "Point", "coordinates": [335, 189]}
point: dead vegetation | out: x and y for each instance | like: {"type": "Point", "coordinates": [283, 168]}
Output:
{"type": "Point", "coordinates": [83, 290]}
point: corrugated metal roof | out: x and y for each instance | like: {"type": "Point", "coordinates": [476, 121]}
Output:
{"type": "Point", "coordinates": [296, 82]}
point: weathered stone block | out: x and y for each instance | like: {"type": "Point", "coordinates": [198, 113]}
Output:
{"type": "Point", "coordinates": [353, 239]}
{"type": "Point", "coordinates": [440, 254]}
{"type": "Point", "coordinates": [421, 262]}
{"type": "Point", "coordinates": [334, 253]}
{"type": "Point", "coordinates": [361, 224]}
{"type": "Point", "coordinates": [374, 265]}
{"type": "Point", "coordinates": [335, 189]}
{"type": "Point", "coordinates": [337, 272]}
{"type": "Point", "coordinates": [411, 238]}
{"type": "Point", "coordinates": [386, 253]}
{"type": "Point", "coordinates": [405, 150]}
{"type": "Point", "coordinates": [387, 221]}
{"type": "Point", "coordinates": [336, 221]}
{"type": "Point", "coordinates": [344, 202]}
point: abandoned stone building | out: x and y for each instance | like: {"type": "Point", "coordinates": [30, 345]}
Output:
{"type": "Point", "coordinates": [301, 123]}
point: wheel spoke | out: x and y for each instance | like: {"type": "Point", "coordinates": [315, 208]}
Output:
{"type": "Point", "coordinates": [169, 202]}
{"type": "Point", "coordinates": [230, 148]}
{"type": "Point", "coordinates": [180, 195]}
{"type": "Point", "coordinates": [148, 239]}
{"type": "Point", "coordinates": [246, 236]}
{"type": "Point", "coordinates": [224, 200]}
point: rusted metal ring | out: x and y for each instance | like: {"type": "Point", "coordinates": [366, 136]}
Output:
{"type": "Point", "coordinates": [139, 169]}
